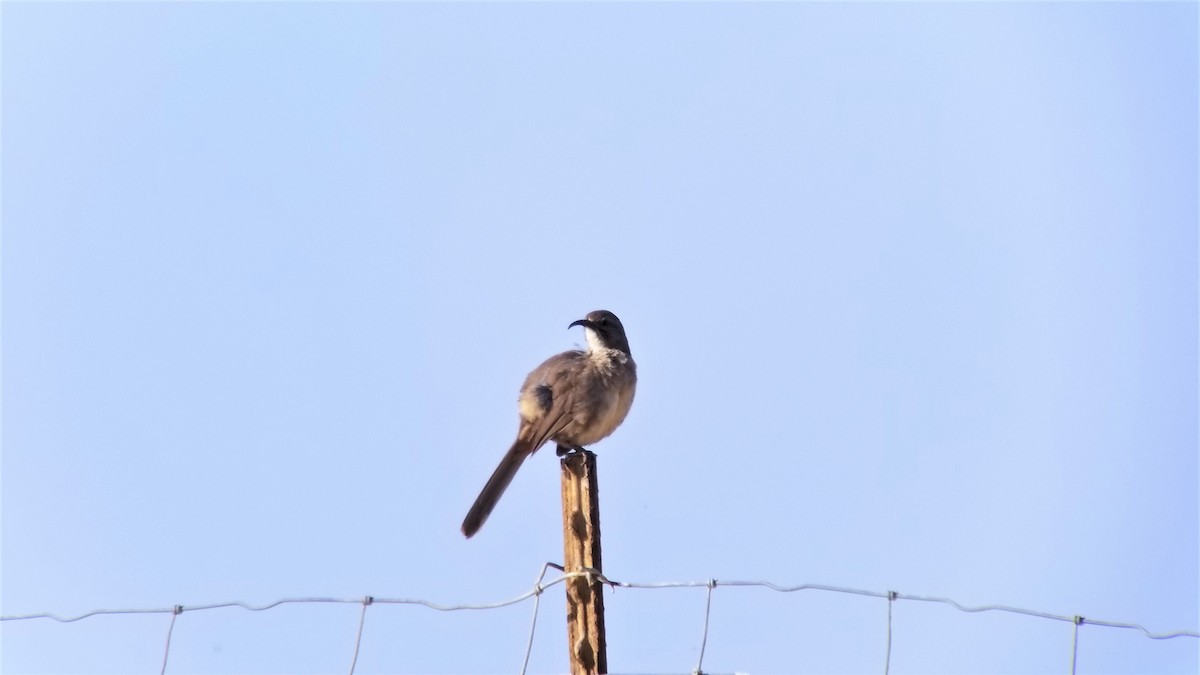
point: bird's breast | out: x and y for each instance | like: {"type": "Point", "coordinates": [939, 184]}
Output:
{"type": "Point", "coordinates": [613, 381]}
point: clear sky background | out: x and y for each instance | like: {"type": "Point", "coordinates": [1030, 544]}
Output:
{"type": "Point", "coordinates": [912, 289]}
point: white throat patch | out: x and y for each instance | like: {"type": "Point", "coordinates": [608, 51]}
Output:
{"type": "Point", "coordinates": [593, 340]}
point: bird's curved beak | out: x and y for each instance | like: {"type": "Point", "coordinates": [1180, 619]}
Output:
{"type": "Point", "coordinates": [583, 322]}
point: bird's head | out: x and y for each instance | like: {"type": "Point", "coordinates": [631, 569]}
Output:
{"type": "Point", "coordinates": [603, 331]}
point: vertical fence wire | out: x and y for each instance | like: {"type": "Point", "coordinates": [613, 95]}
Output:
{"type": "Point", "coordinates": [1075, 641]}
{"type": "Point", "coordinates": [362, 619]}
{"type": "Point", "coordinates": [712, 583]}
{"type": "Point", "coordinates": [887, 657]}
{"type": "Point", "coordinates": [170, 629]}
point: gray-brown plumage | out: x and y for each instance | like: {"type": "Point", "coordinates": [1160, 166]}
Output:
{"type": "Point", "coordinates": [574, 399]}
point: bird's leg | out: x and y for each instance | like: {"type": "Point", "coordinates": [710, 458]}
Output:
{"type": "Point", "coordinates": [567, 449]}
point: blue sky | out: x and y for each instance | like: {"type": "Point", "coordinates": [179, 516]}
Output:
{"type": "Point", "coordinates": [912, 289]}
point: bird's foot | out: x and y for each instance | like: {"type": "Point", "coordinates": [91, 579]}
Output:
{"type": "Point", "coordinates": [568, 449]}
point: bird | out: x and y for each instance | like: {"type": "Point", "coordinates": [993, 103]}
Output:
{"type": "Point", "coordinates": [575, 399]}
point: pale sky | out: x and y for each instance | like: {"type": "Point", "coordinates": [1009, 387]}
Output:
{"type": "Point", "coordinates": [912, 288]}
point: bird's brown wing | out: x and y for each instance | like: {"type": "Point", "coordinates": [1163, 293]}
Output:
{"type": "Point", "coordinates": [549, 386]}
{"type": "Point", "coordinates": [554, 402]}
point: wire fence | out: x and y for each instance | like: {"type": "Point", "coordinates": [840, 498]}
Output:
{"type": "Point", "coordinates": [593, 575]}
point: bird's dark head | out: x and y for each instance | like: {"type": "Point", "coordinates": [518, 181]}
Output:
{"type": "Point", "coordinates": [603, 331]}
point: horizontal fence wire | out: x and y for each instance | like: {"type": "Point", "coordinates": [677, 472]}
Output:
{"type": "Point", "coordinates": [541, 585]}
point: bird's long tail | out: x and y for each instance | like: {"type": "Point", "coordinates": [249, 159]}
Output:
{"type": "Point", "coordinates": [501, 477]}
